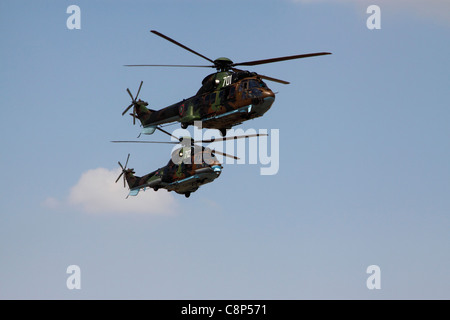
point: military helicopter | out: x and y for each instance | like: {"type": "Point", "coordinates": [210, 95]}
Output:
{"type": "Point", "coordinates": [226, 98]}
{"type": "Point", "coordinates": [190, 167]}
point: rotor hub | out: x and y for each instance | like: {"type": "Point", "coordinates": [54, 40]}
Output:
{"type": "Point", "coordinates": [223, 64]}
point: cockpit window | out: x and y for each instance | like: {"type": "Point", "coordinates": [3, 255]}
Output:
{"type": "Point", "coordinates": [232, 93]}
{"type": "Point", "coordinates": [253, 84]}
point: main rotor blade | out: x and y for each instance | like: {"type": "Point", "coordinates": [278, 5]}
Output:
{"type": "Point", "coordinates": [299, 56]}
{"type": "Point", "coordinates": [232, 138]}
{"type": "Point", "coordinates": [225, 154]}
{"type": "Point", "coordinates": [181, 45]}
{"type": "Point", "coordinates": [137, 141]}
{"type": "Point", "coordinates": [264, 77]}
{"type": "Point", "coordinates": [197, 141]}
{"type": "Point", "coordinates": [169, 65]}
{"type": "Point", "coordinates": [119, 177]}
{"type": "Point", "coordinates": [272, 79]}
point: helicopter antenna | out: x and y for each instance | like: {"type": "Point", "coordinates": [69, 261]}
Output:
{"type": "Point", "coordinates": [168, 125]}
{"type": "Point", "coordinates": [168, 133]}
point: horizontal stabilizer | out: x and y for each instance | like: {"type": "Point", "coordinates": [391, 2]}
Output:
{"type": "Point", "coordinates": [133, 192]}
{"type": "Point", "coordinates": [149, 130]}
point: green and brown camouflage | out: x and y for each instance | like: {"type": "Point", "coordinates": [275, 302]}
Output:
{"type": "Point", "coordinates": [189, 168]}
{"type": "Point", "coordinates": [224, 100]}
{"type": "Point", "coordinates": [227, 97]}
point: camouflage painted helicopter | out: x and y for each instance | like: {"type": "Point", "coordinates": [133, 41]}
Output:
{"type": "Point", "coordinates": [190, 167]}
{"type": "Point", "coordinates": [226, 98]}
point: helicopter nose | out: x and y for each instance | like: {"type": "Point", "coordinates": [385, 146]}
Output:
{"type": "Point", "coordinates": [217, 169]}
{"type": "Point", "coordinates": [263, 106]}
{"type": "Point", "coordinates": [268, 93]}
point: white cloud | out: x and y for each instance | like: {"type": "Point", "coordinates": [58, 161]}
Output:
{"type": "Point", "coordinates": [437, 10]}
{"type": "Point", "coordinates": [51, 203]}
{"type": "Point", "coordinates": [97, 192]}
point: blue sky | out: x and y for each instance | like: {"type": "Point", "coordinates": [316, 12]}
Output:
{"type": "Point", "coordinates": [364, 175]}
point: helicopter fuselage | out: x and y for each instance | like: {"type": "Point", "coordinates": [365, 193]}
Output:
{"type": "Point", "coordinates": [188, 169]}
{"type": "Point", "coordinates": [227, 98]}
{"type": "Point", "coordinates": [224, 100]}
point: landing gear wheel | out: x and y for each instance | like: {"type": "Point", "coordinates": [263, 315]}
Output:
{"type": "Point", "coordinates": [184, 126]}
{"type": "Point", "coordinates": [223, 132]}
{"type": "Point", "coordinates": [187, 194]}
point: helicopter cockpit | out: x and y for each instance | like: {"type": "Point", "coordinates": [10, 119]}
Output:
{"type": "Point", "coordinates": [252, 88]}
{"type": "Point", "coordinates": [209, 83]}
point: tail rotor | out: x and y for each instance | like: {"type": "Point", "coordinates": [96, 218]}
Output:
{"type": "Point", "coordinates": [124, 170]}
{"type": "Point", "coordinates": [134, 103]}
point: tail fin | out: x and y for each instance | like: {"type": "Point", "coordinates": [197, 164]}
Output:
{"type": "Point", "coordinates": [140, 110]}
{"type": "Point", "coordinates": [132, 181]}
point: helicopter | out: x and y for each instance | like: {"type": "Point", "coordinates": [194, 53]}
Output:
{"type": "Point", "coordinates": [226, 98]}
{"type": "Point", "coordinates": [190, 167]}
